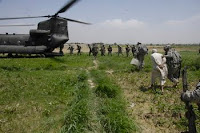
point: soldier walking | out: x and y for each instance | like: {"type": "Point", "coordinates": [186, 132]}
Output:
{"type": "Point", "coordinates": [110, 50]}
{"type": "Point", "coordinates": [95, 51]}
{"type": "Point", "coordinates": [119, 50]}
{"type": "Point", "coordinates": [103, 50]}
{"type": "Point", "coordinates": [133, 50]}
{"type": "Point", "coordinates": [71, 49]}
{"type": "Point", "coordinates": [79, 50]}
{"type": "Point", "coordinates": [173, 64]}
{"type": "Point", "coordinates": [141, 51]}
{"type": "Point", "coordinates": [90, 49]}
{"type": "Point", "coordinates": [127, 50]}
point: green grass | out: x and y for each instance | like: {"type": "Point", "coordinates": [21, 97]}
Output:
{"type": "Point", "coordinates": [35, 92]}
{"type": "Point", "coordinates": [79, 117]}
{"type": "Point", "coordinates": [53, 95]}
{"type": "Point", "coordinates": [167, 110]}
{"type": "Point", "coordinates": [113, 116]}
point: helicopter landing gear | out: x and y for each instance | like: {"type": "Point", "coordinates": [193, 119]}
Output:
{"type": "Point", "coordinates": [10, 55]}
{"type": "Point", "coordinates": [61, 49]}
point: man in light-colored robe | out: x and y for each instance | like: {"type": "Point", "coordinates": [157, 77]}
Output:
{"type": "Point", "coordinates": [159, 68]}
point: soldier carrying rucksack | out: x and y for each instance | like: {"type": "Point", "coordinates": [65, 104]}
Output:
{"type": "Point", "coordinates": [141, 51]}
{"type": "Point", "coordinates": [110, 50]}
{"type": "Point", "coordinates": [173, 64]}
{"type": "Point", "coordinates": [103, 50]}
{"type": "Point", "coordinates": [95, 50]}
{"type": "Point", "coordinates": [71, 48]}
{"type": "Point", "coordinates": [79, 50]}
{"type": "Point", "coordinates": [127, 50]}
{"type": "Point", "coordinates": [90, 49]}
{"type": "Point", "coordinates": [119, 50]}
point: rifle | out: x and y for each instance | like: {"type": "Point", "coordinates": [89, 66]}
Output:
{"type": "Point", "coordinates": [190, 115]}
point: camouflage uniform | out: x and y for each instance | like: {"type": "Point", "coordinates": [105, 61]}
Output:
{"type": "Point", "coordinates": [71, 48]}
{"type": "Point", "coordinates": [79, 50]}
{"type": "Point", "coordinates": [90, 49]}
{"type": "Point", "coordinates": [119, 50]}
{"type": "Point", "coordinates": [95, 51]}
{"type": "Point", "coordinates": [103, 50]}
{"type": "Point", "coordinates": [173, 67]}
{"type": "Point", "coordinates": [140, 55]}
{"type": "Point", "coordinates": [127, 50]}
{"type": "Point", "coordinates": [133, 50]}
{"type": "Point", "coordinates": [192, 96]}
{"type": "Point", "coordinates": [109, 50]}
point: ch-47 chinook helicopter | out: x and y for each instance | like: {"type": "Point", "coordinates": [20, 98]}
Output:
{"type": "Point", "coordinates": [50, 34]}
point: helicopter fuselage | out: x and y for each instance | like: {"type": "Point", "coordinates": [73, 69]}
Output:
{"type": "Point", "coordinates": [50, 34]}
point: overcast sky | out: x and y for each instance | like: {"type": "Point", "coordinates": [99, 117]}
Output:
{"type": "Point", "coordinates": [120, 21]}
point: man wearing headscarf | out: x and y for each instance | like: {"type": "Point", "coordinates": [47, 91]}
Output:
{"type": "Point", "coordinates": [159, 68]}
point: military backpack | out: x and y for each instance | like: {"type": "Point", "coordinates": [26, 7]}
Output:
{"type": "Point", "coordinates": [176, 57]}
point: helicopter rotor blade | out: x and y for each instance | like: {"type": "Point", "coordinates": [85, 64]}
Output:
{"type": "Point", "coordinates": [24, 17]}
{"type": "Point", "coordinates": [76, 21]}
{"type": "Point", "coordinates": [16, 25]}
{"type": "Point", "coordinates": [66, 7]}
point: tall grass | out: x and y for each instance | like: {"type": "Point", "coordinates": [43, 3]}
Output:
{"type": "Point", "coordinates": [79, 117]}
{"type": "Point", "coordinates": [113, 116]}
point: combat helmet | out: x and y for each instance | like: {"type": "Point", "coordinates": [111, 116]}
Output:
{"type": "Point", "coordinates": [167, 47]}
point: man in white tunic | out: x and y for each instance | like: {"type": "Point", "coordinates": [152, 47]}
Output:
{"type": "Point", "coordinates": [159, 68]}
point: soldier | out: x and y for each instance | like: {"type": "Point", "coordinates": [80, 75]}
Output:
{"type": "Point", "coordinates": [133, 50]}
{"type": "Point", "coordinates": [90, 49]}
{"type": "Point", "coordinates": [192, 96]}
{"type": "Point", "coordinates": [71, 48]}
{"type": "Point", "coordinates": [79, 50]}
{"type": "Point", "coordinates": [119, 50]}
{"type": "Point", "coordinates": [109, 50]}
{"type": "Point", "coordinates": [159, 68]}
{"type": "Point", "coordinates": [95, 50]}
{"type": "Point", "coordinates": [103, 50]}
{"type": "Point", "coordinates": [127, 50]}
{"type": "Point", "coordinates": [141, 51]}
{"type": "Point", "coordinates": [173, 64]}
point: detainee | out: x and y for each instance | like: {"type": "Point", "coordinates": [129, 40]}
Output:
{"type": "Point", "coordinates": [159, 68]}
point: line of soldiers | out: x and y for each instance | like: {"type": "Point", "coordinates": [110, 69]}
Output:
{"type": "Point", "coordinates": [93, 49]}
{"type": "Point", "coordinates": [110, 49]}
